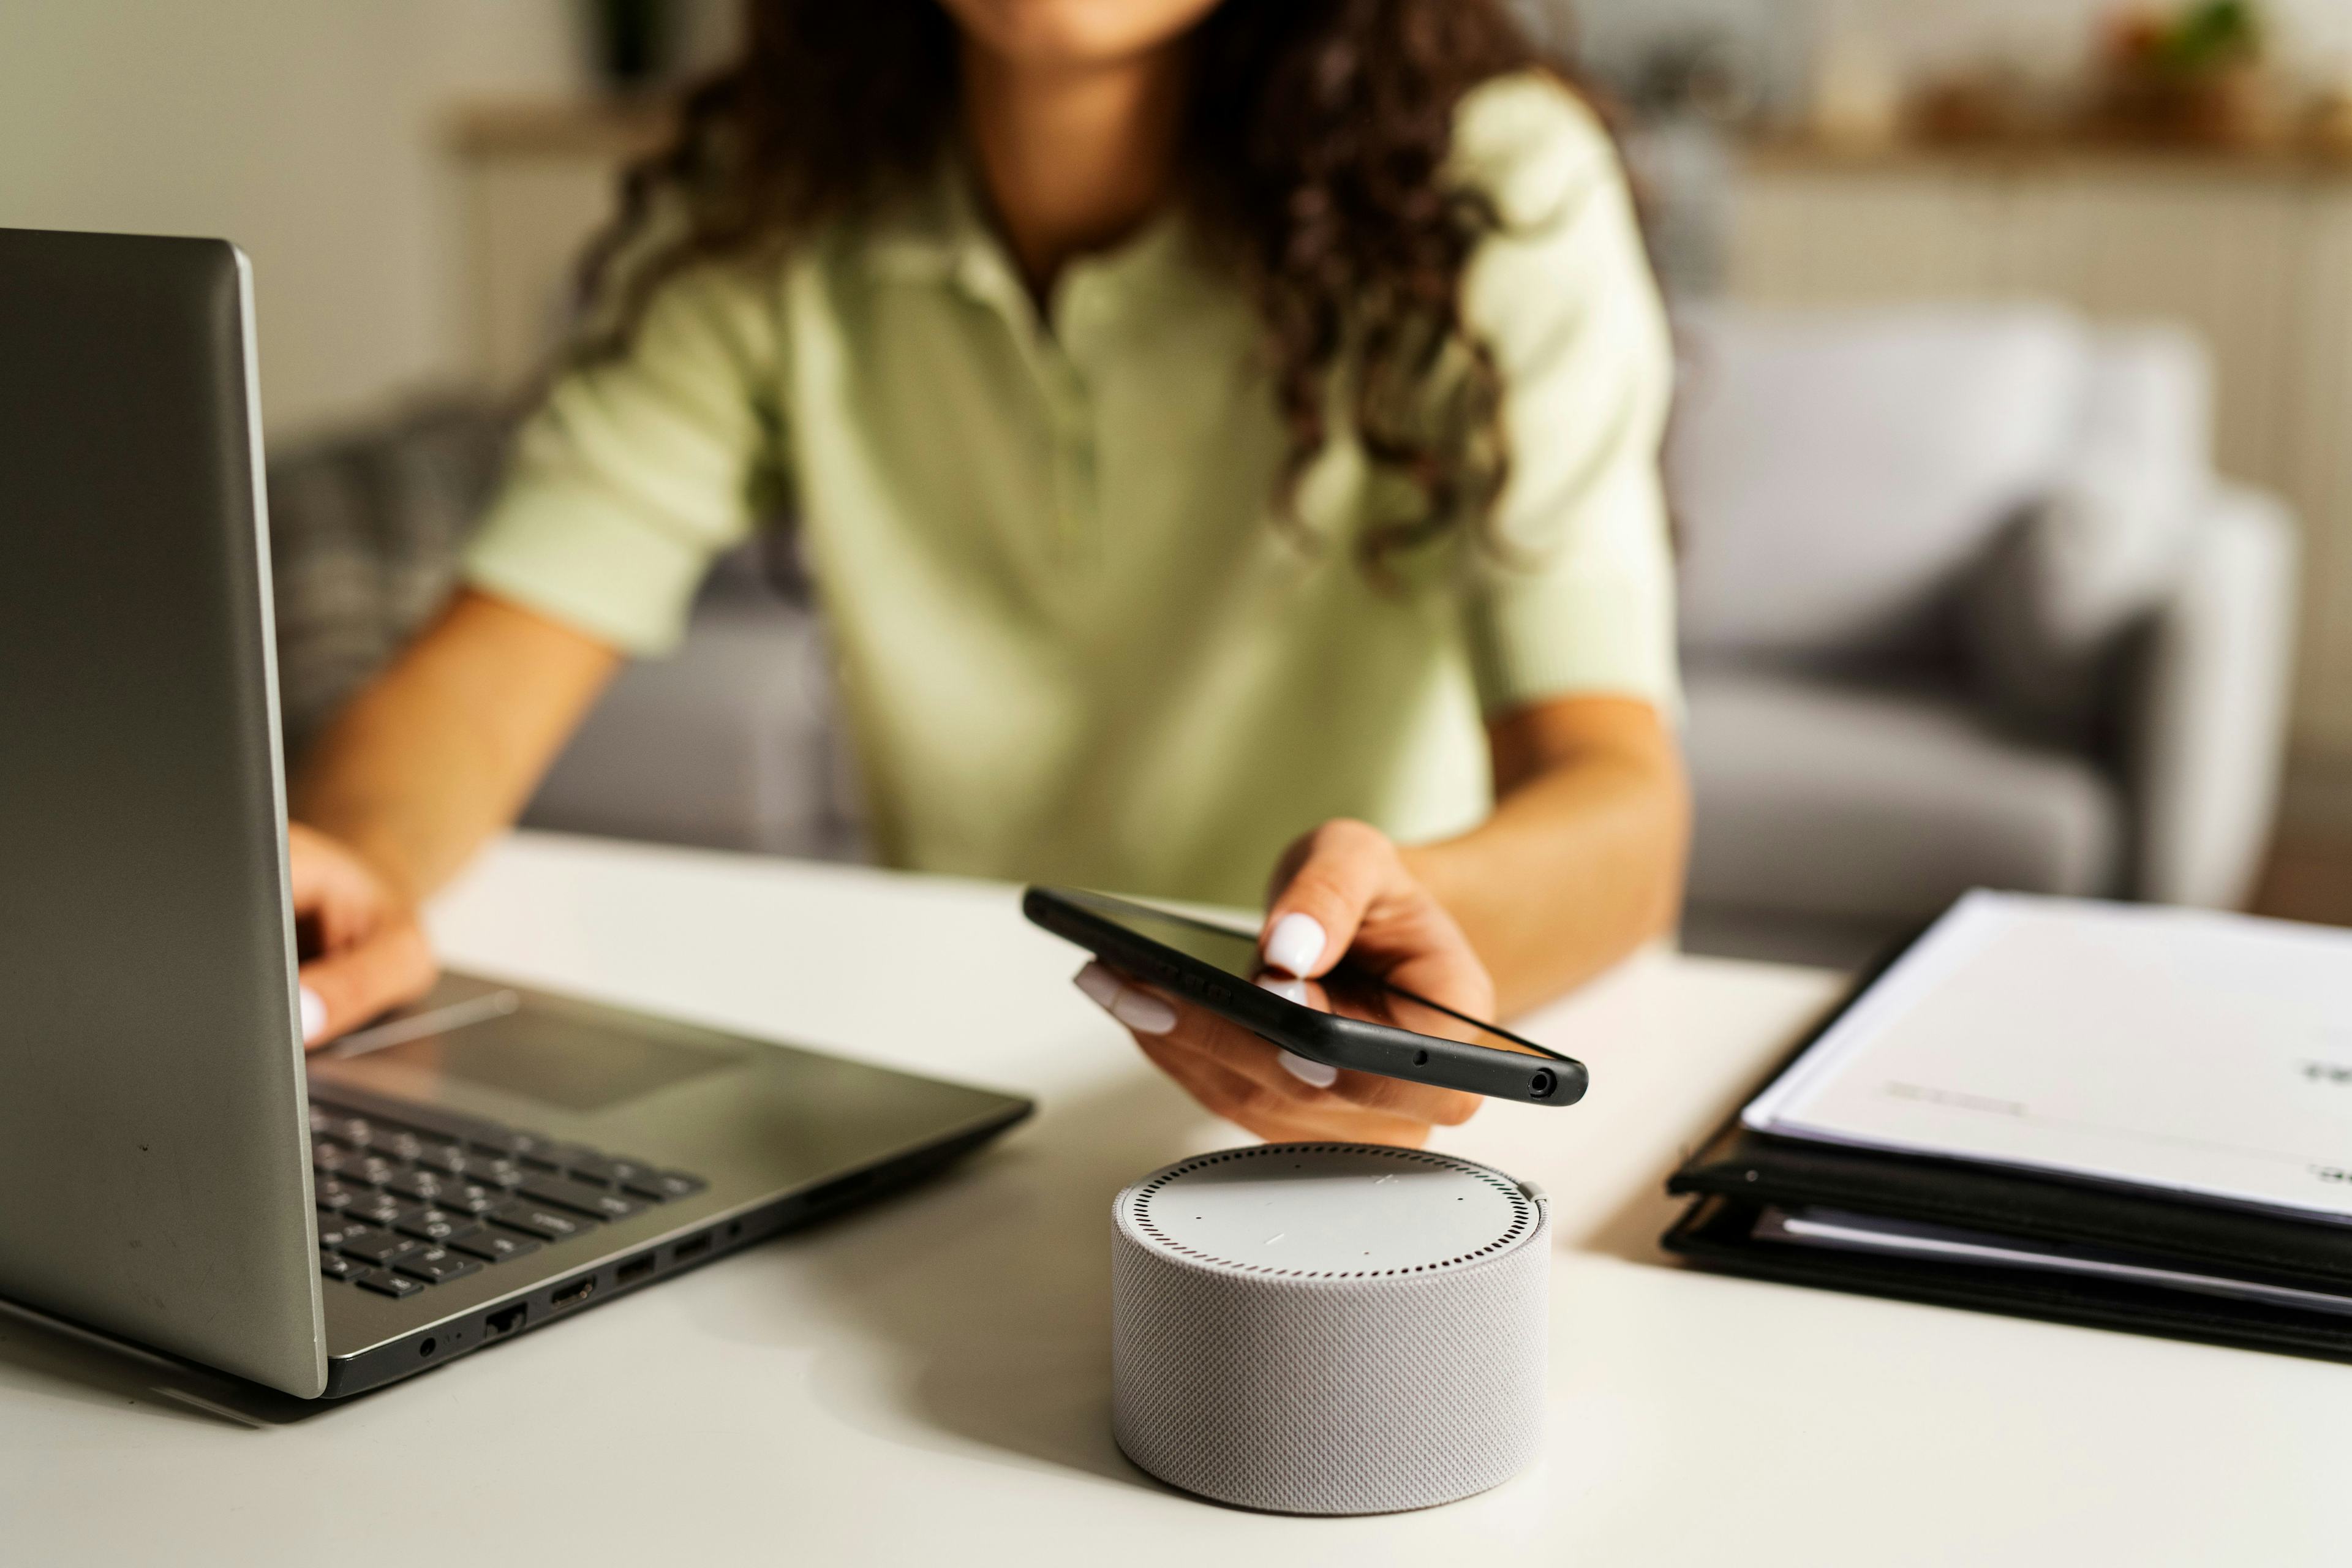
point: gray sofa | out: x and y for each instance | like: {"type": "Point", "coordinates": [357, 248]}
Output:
{"type": "Point", "coordinates": [1963, 605]}
{"type": "Point", "coordinates": [729, 743]}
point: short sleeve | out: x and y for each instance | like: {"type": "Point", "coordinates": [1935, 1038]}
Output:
{"type": "Point", "coordinates": [1579, 597]}
{"type": "Point", "coordinates": [639, 469]}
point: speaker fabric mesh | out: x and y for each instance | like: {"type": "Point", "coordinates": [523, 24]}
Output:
{"type": "Point", "coordinates": [1327, 1391]}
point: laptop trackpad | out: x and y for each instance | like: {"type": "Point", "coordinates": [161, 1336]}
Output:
{"type": "Point", "coordinates": [575, 1057]}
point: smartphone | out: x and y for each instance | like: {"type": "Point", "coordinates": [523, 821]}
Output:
{"type": "Point", "coordinates": [1356, 1020]}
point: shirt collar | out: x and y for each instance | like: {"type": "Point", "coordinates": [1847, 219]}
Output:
{"type": "Point", "coordinates": [938, 232]}
{"type": "Point", "coordinates": [923, 233]}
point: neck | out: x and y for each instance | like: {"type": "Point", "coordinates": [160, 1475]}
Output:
{"type": "Point", "coordinates": [1074, 159]}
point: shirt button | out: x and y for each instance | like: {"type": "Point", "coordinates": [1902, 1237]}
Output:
{"type": "Point", "coordinates": [1073, 488]}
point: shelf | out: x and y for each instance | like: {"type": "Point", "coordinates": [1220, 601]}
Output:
{"type": "Point", "coordinates": [611, 130]}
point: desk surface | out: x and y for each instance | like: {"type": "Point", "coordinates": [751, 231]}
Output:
{"type": "Point", "coordinates": [930, 1381]}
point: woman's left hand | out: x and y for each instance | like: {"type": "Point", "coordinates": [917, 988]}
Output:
{"type": "Point", "coordinates": [1341, 891]}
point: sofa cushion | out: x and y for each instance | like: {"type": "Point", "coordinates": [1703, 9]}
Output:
{"type": "Point", "coordinates": [364, 531]}
{"type": "Point", "coordinates": [730, 742]}
{"type": "Point", "coordinates": [1858, 803]}
{"type": "Point", "coordinates": [1833, 473]}
{"type": "Point", "coordinates": [2042, 614]}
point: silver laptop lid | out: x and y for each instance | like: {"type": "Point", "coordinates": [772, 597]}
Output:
{"type": "Point", "coordinates": [153, 1136]}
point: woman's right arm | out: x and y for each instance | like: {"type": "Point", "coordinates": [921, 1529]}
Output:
{"type": "Point", "coordinates": [432, 758]}
{"type": "Point", "coordinates": [638, 469]}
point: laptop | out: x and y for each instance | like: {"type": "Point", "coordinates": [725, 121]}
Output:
{"type": "Point", "coordinates": [180, 1176]}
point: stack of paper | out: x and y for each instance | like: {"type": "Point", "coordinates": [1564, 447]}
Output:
{"type": "Point", "coordinates": [2177, 1049]}
{"type": "Point", "coordinates": [2124, 1115]}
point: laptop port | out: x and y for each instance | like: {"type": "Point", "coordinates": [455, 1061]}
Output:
{"type": "Point", "coordinates": [692, 1246]}
{"type": "Point", "coordinates": [634, 1270]}
{"type": "Point", "coordinates": [506, 1320]}
{"type": "Point", "coordinates": [571, 1295]}
{"type": "Point", "coordinates": [840, 1187]}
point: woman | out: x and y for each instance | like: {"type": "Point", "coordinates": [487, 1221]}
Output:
{"type": "Point", "coordinates": [1214, 427]}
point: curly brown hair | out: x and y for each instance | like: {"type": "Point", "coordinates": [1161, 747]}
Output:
{"type": "Point", "coordinates": [1311, 163]}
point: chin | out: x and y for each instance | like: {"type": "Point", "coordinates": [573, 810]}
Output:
{"type": "Point", "coordinates": [1045, 33]}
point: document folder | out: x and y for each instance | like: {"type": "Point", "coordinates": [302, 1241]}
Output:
{"type": "Point", "coordinates": [1744, 1181]}
{"type": "Point", "coordinates": [1742, 1175]}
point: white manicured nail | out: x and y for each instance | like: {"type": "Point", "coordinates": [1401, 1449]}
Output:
{"type": "Point", "coordinates": [314, 1013]}
{"type": "Point", "coordinates": [1101, 986]}
{"type": "Point", "coordinates": [1322, 1075]}
{"type": "Point", "coordinates": [1296, 943]}
{"type": "Point", "coordinates": [1287, 989]}
{"type": "Point", "coordinates": [1143, 1011]}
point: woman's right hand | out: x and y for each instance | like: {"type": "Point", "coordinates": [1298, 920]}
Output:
{"type": "Point", "coordinates": [362, 949]}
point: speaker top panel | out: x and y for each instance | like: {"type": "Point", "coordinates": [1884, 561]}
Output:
{"type": "Point", "coordinates": [1328, 1210]}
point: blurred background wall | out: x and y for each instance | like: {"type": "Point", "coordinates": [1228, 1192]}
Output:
{"type": "Point", "coordinates": [315, 132]}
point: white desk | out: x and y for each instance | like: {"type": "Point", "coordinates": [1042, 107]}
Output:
{"type": "Point", "coordinates": [928, 1383]}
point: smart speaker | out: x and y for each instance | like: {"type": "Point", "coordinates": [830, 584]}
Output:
{"type": "Point", "coordinates": [1330, 1328]}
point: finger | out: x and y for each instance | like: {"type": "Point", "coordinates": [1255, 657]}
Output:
{"type": "Point", "coordinates": [354, 983]}
{"type": "Point", "coordinates": [1410, 940]}
{"type": "Point", "coordinates": [1273, 1116]}
{"type": "Point", "coordinates": [329, 888]}
{"type": "Point", "coordinates": [1311, 1087]}
{"type": "Point", "coordinates": [1227, 1093]}
{"type": "Point", "coordinates": [1153, 1015]}
{"type": "Point", "coordinates": [1249, 1080]}
{"type": "Point", "coordinates": [1335, 874]}
{"type": "Point", "coordinates": [1217, 1088]}
{"type": "Point", "coordinates": [1238, 1086]}
{"type": "Point", "coordinates": [320, 881]}
{"type": "Point", "coordinates": [1446, 972]}
{"type": "Point", "coordinates": [1145, 1011]}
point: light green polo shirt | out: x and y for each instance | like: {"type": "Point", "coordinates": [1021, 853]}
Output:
{"type": "Point", "coordinates": [1074, 642]}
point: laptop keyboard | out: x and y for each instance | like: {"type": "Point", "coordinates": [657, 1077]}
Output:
{"type": "Point", "coordinates": [403, 1207]}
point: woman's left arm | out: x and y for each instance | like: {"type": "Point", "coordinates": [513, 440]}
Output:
{"type": "Point", "coordinates": [1582, 861]}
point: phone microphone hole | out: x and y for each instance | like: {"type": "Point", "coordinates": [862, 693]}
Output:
{"type": "Point", "coordinates": [1542, 1084]}
{"type": "Point", "coordinates": [1421, 1058]}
